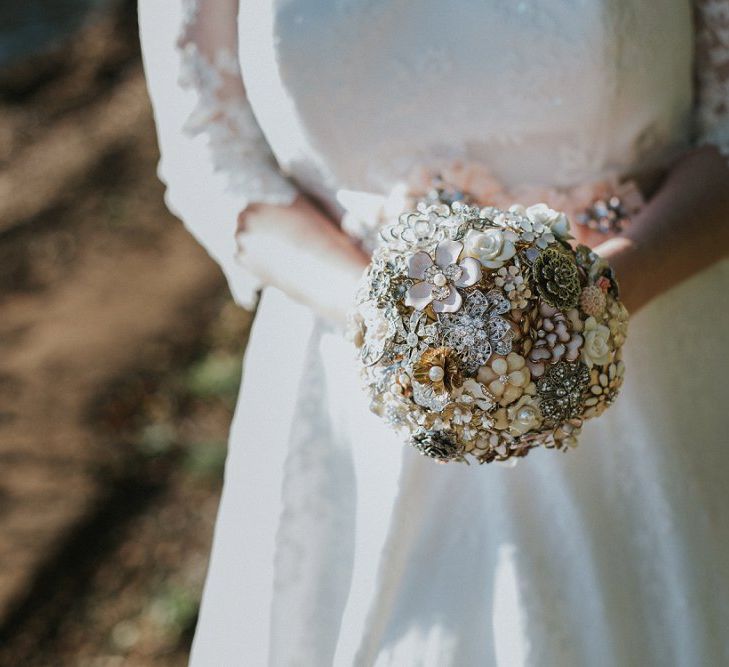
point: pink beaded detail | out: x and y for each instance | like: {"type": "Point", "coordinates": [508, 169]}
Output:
{"type": "Point", "coordinates": [604, 206]}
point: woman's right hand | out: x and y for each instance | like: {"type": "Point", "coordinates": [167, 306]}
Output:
{"type": "Point", "coordinates": [304, 253]}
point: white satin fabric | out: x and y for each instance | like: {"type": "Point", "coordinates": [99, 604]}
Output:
{"type": "Point", "coordinates": [335, 545]}
{"type": "Point", "coordinates": [352, 94]}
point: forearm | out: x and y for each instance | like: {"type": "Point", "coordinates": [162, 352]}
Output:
{"type": "Point", "coordinates": [682, 230]}
{"type": "Point", "coordinates": [303, 253]}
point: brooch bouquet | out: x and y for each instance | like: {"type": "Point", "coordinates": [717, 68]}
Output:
{"type": "Point", "coordinates": [482, 334]}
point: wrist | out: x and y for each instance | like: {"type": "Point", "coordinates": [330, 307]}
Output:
{"type": "Point", "coordinates": [302, 252]}
{"type": "Point", "coordinates": [253, 212]}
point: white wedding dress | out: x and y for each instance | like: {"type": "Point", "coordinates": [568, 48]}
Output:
{"type": "Point", "coordinates": [337, 545]}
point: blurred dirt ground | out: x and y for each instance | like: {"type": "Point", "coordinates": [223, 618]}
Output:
{"type": "Point", "coordinates": [120, 356]}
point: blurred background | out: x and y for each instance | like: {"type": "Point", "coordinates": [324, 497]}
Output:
{"type": "Point", "coordinates": [120, 355]}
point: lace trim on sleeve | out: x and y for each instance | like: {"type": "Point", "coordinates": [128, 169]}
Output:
{"type": "Point", "coordinates": [215, 160]}
{"type": "Point", "coordinates": [237, 146]}
{"type": "Point", "coordinates": [712, 73]}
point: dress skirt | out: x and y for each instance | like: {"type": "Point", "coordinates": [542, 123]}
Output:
{"type": "Point", "coordinates": [337, 545]}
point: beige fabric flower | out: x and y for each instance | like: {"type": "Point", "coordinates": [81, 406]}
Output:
{"type": "Point", "coordinates": [492, 247]}
{"type": "Point", "coordinates": [604, 386]}
{"type": "Point", "coordinates": [555, 221]}
{"type": "Point", "coordinates": [524, 415]}
{"type": "Point", "coordinates": [507, 378]}
{"type": "Point", "coordinates": [520, 417]}
{"type": "Point", "coordinates": [617, 321]}
{"type": "Point", "coordinates": [597, 348]}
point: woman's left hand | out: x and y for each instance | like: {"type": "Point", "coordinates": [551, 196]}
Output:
{"type": "Point", "coordinates": [616, 249]}
{"type": "Point", "coordinates": [683, 229]}
{"type": "Point", "coordinates": [619, 251]}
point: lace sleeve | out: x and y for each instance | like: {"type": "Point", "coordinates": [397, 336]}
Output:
{"type": "Point", "coordinates": [712, 73]}
{"type": "Point", "coordinates": [214, 157]}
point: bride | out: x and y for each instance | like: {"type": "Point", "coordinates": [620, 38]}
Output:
{"type": "Point", "coordinates": [336, 545]}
